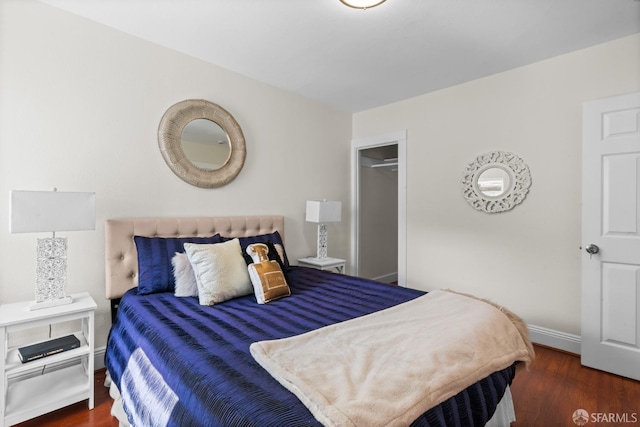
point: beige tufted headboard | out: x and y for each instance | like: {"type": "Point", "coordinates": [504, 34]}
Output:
{"type": "Point", "coordinates": [121, 267]}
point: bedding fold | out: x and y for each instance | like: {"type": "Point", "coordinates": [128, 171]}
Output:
{"type": "Point", "coordinates": [389, 367]}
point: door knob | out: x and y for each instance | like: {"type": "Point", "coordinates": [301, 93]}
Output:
{"type": "Point", "coordinates": [592, 249]}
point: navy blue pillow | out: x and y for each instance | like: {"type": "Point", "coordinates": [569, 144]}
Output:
{"type": "Point", "coordinates": [273, 238]}
{"type": "Point", "coordinates": [155, 272]}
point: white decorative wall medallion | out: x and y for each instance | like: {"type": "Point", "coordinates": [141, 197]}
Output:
{"type": "Point", "coordinates": [496, 181]}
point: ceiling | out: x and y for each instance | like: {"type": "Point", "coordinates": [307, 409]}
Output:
{"type": "Point", "coordinates": [355, 60]}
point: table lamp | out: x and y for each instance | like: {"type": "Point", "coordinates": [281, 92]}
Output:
{"type": "Point", "coordinates": [322, 212]}
{"type": "Point", "coordinates": [51, 211]}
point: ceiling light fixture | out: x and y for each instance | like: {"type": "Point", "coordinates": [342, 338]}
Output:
{"type": "Point", "coordinates": [362, 4]}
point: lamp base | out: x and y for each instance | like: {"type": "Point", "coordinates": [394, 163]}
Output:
{"type": "Point", "coordinates": [35, 305]}
{"type": "Point", "coordinates": [323, 240]}
{"type": "Point", "coordinates": [51, 273]}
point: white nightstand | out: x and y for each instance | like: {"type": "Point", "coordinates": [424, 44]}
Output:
{"type": "Point", "coordinates": [44, 385]}
{"type": "Point", "coordinates": [323, 264]}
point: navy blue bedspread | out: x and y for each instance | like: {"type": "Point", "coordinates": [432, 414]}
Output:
{"type": "Point", "coordinates": [182, 364]}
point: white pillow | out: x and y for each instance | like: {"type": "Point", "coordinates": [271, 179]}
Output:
{"type": "Point", "coordinates": [185, 278]}
{"type": "Point", "coordinates": [220, 271]}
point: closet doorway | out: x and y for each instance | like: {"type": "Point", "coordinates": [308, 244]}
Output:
{"type": "Point", "coordinates": [379, 207]}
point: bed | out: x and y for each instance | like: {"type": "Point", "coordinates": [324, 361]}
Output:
{"type": "Point", "coordinates": [173, 361]}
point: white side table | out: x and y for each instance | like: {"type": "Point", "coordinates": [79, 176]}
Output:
{"type": "Point", "coordinates": [44, 385]}
{"type": "Point", "coordinates": [323, 264]}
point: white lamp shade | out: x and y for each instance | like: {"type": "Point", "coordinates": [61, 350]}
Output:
{"type": "Point", "coordinates": [323, 211]}
{"type": "Point", "coordinates": [39, 211]}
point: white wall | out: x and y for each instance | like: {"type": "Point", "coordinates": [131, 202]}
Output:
{"type": "Point", "coordinates": [527, 259]}
{"type": "Point", "coordinates": [80, 105]}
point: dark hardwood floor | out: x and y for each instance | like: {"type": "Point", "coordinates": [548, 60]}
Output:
{"type": "Point", "coordinates": [556, 385]}
{"type": "Point", "coordinates": [546, 394]}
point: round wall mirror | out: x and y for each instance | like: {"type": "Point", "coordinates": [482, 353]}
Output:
{"type": "Point", "coordinates": [496, 181]}
{"type": "Point", "coordinates": [201, 143]}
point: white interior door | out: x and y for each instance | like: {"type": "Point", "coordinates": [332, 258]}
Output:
{"type": "Point", "coordinates": [611, 232]}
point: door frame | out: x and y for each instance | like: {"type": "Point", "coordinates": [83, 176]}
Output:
{"type": "Point", "coordinates": [398, 138]}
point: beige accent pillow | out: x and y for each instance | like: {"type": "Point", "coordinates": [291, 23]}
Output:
{"type": "Point", "coordinates": [266, 275]}
{"type": "Point", "coordinates": [186, 285]}
{"type": "Point", "coordinates": [220, 271]}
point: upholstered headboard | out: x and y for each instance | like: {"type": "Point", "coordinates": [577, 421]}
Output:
{"type": "Point", "coordinates": [121, 267]}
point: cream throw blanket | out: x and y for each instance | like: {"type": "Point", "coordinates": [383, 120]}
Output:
{"type": "Point", "coordinates": [389, 367]}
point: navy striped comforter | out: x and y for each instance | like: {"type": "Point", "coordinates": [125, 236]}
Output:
{"type": "Point", "coordinates": [178, 363]}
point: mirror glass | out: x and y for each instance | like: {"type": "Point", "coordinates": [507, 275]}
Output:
{"type": "Point", "coordinates": [494, 182]}
{"type": "Point", "coordinates": [205, 144]}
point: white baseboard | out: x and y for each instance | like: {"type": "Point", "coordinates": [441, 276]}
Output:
{"type": "Point", "coordinates": [387, 278]}
{"type": "Point", "coordinates": [98, 358]}
{"type": "Point", "coordinates": [555, 339]}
